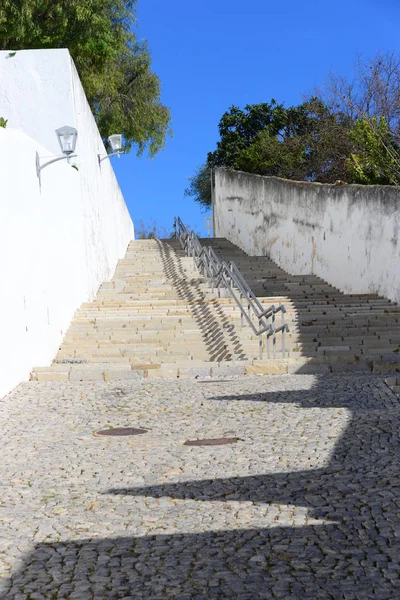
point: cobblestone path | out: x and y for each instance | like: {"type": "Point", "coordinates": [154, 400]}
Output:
{"type": "Point", "coordinates": [305, 506]}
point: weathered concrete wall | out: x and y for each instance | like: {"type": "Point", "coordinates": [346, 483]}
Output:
{"type": "Point", "coordinates": [347, 234]}
{"type": "Point", "coordinates": [58, 242]}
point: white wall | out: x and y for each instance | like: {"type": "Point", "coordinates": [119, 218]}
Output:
{"type": "Point", "coordinates": [36, 93]}
{"type": "Point", "coordinates": [349, 235]}
{"type": "Point", "coordinates": [58, 242]}
{"type": "Point", "coordinates": [107, 225]}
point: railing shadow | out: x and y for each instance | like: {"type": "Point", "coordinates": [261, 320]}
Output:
{"type": "Point", "coordinates": [217, 333]}
{"type": "Point", "coordinates": [358, 328]}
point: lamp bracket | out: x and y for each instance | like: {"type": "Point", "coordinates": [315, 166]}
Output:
{"type": "Point", "coordinates": [116, 153]}
{"type": "Point", "coordinates": [39, 167]}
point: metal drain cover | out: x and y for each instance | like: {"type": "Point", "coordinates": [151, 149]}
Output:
{"type": "Point", "coordinates": [212, 442]}
{"type": "Point", "coordinates": [121, 431]}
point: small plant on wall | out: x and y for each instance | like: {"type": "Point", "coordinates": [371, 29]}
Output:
{"type": "Point", "coordinates": [3, 122]}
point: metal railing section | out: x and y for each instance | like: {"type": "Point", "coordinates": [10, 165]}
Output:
{"type": "Point", "coordinates": [226, 276]}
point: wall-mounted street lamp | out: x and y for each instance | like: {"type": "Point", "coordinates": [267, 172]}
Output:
{"type": "Point", "coordinates": [115, 142]}
{"type": "Point", "coordinates": [67, 139]}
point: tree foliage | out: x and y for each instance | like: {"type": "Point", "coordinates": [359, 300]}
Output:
{"type": "Point", "coordinates": [372, 92]}
{"type": "Point", "coordinates": [312, 144]}
{"type": "Point", "coordinates": [376, 159]}
{"type": "Point", "coordinates": [238, 129]}
{"type": "Point", "coordinates": [115, 69]}
{"type": "Point", "coordinates": [371, 98]}
{"type": "Point", "coordinates": [348, 131]}
{"type": "Point", "coordinates": [199, 187]}
{"type": "Point", "coordinates": [307, 142]}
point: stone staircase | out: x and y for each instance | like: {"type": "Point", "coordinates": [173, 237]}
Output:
{"type": "Point", "coordinates": [158, 317]}
{"type": "Point", "coordinates": [335, 330]}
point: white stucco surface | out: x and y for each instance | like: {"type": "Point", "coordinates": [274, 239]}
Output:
{"type": "Point", "coordinates": [36, 93]}
{"type": "Point", "coordinates": [349, 235]}
{"type": "Point", "coordinates": [60, 240]}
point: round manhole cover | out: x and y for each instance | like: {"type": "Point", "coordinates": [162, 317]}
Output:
{"type": "Point", "coordinates": [211, 442]}
{"type": "Point", "coordinates": [121, 431]}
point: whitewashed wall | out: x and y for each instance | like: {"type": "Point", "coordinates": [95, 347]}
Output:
{"type": "Point", "coordinates": [60, 241]}
{"type": "Point", "coordinates": [347, 234]}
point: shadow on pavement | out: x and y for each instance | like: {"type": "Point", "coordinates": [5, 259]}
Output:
{"type": "Point", "coordinates": [286, 563]}
{"type": "Point", "coordinates": [353, 554]}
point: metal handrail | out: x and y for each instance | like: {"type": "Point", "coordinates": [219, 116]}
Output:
{"type": "Point", "coordinates": [224, 275]}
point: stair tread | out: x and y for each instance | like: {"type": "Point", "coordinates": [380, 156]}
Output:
{"type": "Point", "coordinates": [159, 317]}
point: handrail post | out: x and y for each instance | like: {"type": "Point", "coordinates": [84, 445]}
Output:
{"type": "Point", "coordinates": [273, 335]}
{"type": "Point", "coordinates": [230, 268]}
{"type": "Point", "coordinates": [193, 250]}
{"type": "Point", "coordinates": [211, 269]}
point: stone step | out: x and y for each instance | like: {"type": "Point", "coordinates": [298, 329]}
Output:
{"type": "Point", "coordinates": [195, 369]}
{"type": "Point", "coordinates": [159, 317]}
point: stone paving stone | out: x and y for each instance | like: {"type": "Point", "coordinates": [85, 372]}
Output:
{"type": "Point", "coordinates": [304, 506]}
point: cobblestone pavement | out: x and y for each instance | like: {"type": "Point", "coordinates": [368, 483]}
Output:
{"type": "Point", "coordinates": [305, 506]}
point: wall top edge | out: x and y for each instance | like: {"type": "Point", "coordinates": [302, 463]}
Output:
{"type": "Point", "coordinates": [34, 51]}
{"type": "Point", "coordinates": [313, 184]}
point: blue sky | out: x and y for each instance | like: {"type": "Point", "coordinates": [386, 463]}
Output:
{"type": "Point", "coordinates": [212, 54]}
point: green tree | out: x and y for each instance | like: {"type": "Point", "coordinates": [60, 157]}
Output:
{"type": "Point", "coordinates": [115, 69]}
{"type": "Point", "coordinates": [306, 142]}
{"type": "Point", "coordinates": [239, 128]}
{"type": "Point", "coordinates": [376, 159]}
{"type": "Point", "coordinates": [199, 187]}
{"type": "Point", "coordinates": [373, 91]}
{"type": "Point", "coordinates": [371, 98]}
{"type": "Point", "coordinates": [309, 142]}
{"type": "Point", "coordinates": [313, 144]}
{"type": "Point", "coordinates": [269, 156]}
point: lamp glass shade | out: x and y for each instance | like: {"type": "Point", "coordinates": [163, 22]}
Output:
{"type": "Point", "coordinates": [115, 141]}
{"type": "Point", "coordinates": [67, 139]}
